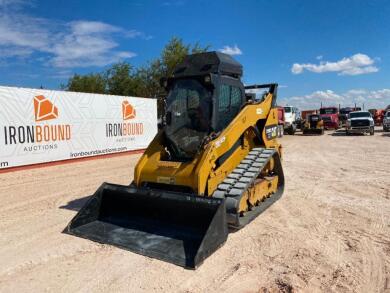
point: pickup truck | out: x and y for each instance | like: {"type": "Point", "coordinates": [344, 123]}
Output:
{"type": "Point", "coordinates": [360, 122]}
{"type": "Point", "coordinates": [386, 121]}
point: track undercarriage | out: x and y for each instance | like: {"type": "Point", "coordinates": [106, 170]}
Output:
{"type": "Point", "coordinates": [255, 184]}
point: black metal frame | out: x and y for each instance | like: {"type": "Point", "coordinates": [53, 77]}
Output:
{"type": "Point", "coordinates": [273, 89]}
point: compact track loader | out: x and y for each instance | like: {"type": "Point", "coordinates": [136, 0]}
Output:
{"type": "Point", "coordinates": [313, 125]}
{"type": "Point", "coordinates": [214, 166]}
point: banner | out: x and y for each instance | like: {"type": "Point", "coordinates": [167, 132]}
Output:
{"type": "Point", "coordinates": [38, 126]}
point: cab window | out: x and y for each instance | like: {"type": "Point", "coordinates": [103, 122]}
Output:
{"type": "Point", "coordinates": [229, 104]}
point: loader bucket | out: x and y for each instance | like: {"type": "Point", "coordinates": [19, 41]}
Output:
{"type": "Point", "coordinates": [174, 227]}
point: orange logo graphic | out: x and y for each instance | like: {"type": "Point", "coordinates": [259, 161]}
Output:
{"type": "Point", "coordinates": [44, 109]}
{"type": "Point", "coordinates": [128, 111]}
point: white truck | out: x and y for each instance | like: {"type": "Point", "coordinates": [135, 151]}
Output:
{"type": "Point", "coordinates": [292, 117]}
{"type": "Point", "coordinates": [360, 122]}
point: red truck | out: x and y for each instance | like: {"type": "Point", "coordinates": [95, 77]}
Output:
{"type": "Point", "coordinates": [378, 116]}
{"type": "Point", "coordinates": [330, 116]}
{"type": "Point", "coordinates": [305, 113]}
{"type": "Point", "coordinates": [281, 121]}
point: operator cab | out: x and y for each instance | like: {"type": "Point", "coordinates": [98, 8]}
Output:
{"type": "Point", "coordinates": [205, 94]}
{"type": "Point", "coordinates": [313, 120]}
{"type": "Point", "coordinates": [292, 113]}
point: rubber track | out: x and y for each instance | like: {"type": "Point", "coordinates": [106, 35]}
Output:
{"type": "Point", "coordinates": [240, 179]}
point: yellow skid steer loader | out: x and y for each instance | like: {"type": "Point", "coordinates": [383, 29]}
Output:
{"type": "Point", "coordinates": [215, 164]}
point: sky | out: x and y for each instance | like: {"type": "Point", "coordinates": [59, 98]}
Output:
{"type": "Point", "coordinates": [334, 52]}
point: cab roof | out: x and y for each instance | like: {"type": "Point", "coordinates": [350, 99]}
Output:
{"type": "Point", "coordinates": [206, 63]}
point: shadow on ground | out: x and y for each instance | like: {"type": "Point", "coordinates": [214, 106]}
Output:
{"type": "Point", "coordinates": [384, 133]}
{"type": "Point", "coordinates": [341, 132]}
{"type": "Point", "coordinates": [297, 133]}
{"type": "Point", "coordinates": [77, 204]}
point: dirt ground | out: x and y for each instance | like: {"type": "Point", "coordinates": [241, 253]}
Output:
{"type": "Point", "coordinates": [330, 232]}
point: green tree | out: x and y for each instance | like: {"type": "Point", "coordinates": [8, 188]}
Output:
{"type": "Point", "coordinates": [148, 80]}
{"type": "Point", "coordinates": [120, 80]}
{"type": "Point", "coordinates": [173, 53]}
{"type": "Point", "coordinates": [89, 83]}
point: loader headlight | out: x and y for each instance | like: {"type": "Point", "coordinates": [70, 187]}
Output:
{"type": "Point", "coordinates": [207, 79]}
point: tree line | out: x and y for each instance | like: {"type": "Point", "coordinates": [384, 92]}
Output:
{"type": "Point", "coordinates": [125, 80]}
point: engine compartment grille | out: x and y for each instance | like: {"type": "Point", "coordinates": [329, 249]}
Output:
{"type": "Point", "coordinates": [358, 123]}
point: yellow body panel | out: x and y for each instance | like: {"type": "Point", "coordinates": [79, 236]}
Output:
{"type": "Point", "coordinates": [320, 124]}
{"type": "Point", "coordinates": [201, 174]}
{"type": "Point", "coordinates": [262, 189]}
